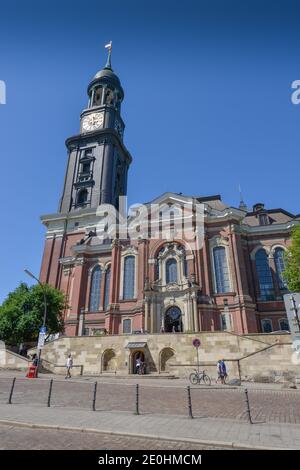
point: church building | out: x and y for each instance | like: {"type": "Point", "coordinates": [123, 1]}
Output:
{"type": "Point", "coordinates": [117, 285]}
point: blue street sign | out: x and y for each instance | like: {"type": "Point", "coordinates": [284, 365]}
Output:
{"type": "Point", "coordinates": [43, 329]}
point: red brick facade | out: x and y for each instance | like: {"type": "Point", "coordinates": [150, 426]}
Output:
{"type": "Point", "coordinates": [68, 265]}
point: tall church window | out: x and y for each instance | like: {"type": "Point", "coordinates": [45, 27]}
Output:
{"type": "Point", "coordinates": [265, 279]}
{"type": "Point", "coordinates": [129, 277]}
{"type": "Point", "coordinates": [95, 289]}
{"type": "Point", "coordinates": [171, 270]}
{"type": "Point", "coordinates": [107, 285]}
{"type": "Point", "coordinates": [280, 267]}
{"type": "Point", "coordinates": [221, 270]}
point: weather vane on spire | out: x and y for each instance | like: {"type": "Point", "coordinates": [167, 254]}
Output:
{"type": "Point", "coordinates": [108, 62]}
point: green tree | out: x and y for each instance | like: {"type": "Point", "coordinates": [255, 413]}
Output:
{"type": "Point", "coordinates": [292, 271]}
{"type": "Point", "coordinates": [21, 314]}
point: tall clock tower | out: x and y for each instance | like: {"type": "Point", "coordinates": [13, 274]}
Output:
{"type": "Point", "coordinates": [98, 160]}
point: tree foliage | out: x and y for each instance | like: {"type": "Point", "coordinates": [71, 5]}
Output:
{"type": "Point", "coordinates": [292, 271]}
{"type": "Point", "coordinates": [21, 313]}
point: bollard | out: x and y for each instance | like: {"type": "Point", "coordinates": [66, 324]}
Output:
{"type": "Point", "coordinates": [94, 396]}
{"type": "Point", "coordinates": [49, 393]}
{"type": "Point", "coordinates": [190, 402]}
{"type": "Point", "coordinates": [248, 406]}
{"type": "Point", "coordinates": [11, 390]}
{"type": "Point", "coordinates": [137, 397]}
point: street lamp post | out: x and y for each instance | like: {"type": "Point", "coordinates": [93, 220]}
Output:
{"type": "Point", "coordinates": [45, 310]}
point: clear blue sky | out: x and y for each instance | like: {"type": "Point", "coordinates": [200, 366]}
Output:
{"type": "Point", "coordinates": [207, 103]}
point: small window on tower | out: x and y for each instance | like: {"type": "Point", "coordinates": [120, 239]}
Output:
{"type": "Point", "coordinates": [86, 166]}
{"type": "Point", "coordinates": [82, 197]}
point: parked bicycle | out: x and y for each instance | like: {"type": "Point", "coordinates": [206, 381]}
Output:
{"type": "Point", "coordinates": [200, 376]}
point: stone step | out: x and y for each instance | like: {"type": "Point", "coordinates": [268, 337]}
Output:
{"type": "Point", "coordinates": [152, 375]}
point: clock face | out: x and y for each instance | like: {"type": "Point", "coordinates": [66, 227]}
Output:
{"type": "Point", "coordinates": [92, 121]}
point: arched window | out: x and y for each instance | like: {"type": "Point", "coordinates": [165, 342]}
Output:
{"type": "Point", "coordinates": [82, 197]}
{"type": "Point", "coordinates": [265, 279]}
{"type": "Point", "coordinates": [266, 326]}
{"type": "Point", "coordinates": [129, 277]}
{"type": "Point", "coordinates": [173, 320]}
{"type": "Point", "coordinates": [280, 267]}
{"type": "Point", "coordinates": [221, 270]}
{"type": "Point", "coordinates": [107, 285]}
{"type": "Point", "coordinates": [171, 270]}
{"type": "Point", "coordinates": [95, 289]}
{"type": "Point", "coordinates": [98, 96]}
{"type": "Point", "coordinates": [284, 324]}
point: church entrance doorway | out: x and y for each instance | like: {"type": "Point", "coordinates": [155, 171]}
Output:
{"type": "Point", "coordinates": [137, 362]}
{"type": "Point", "coordinates": [173, 320]}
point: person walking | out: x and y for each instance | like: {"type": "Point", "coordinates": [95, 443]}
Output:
{"type": "Point", "coordinates": [138, 364]}
{"type": "Point", "coordinates": [69, 366]}
{"type": "Point", "coordinates": [224, 370]}
{"type": "Point", "coordinates": [221, 371]}
{"type": "Point", "coordinates": [35, 360]}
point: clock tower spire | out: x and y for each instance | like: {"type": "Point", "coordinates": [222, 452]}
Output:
{"type": "Point", "coordinates": [98, 160]}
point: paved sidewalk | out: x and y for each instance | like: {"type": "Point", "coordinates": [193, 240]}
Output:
{"type": "Point", "coordinates": [24, 438]}
{"type": "Point", "coordinates": [213, 431]}
{"type": "Point", "coordinates": [147, 380]}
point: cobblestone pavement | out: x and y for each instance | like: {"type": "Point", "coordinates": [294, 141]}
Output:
{"type": "Point", "coordinates": [273, 406]}
{"type": "Point", "coordinates": [18, 438]}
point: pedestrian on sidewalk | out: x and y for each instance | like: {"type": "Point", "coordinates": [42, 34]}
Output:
{"type": "Point", "coordinates": [35, 360]}
{"type": "Point", "coordinates": [221, 371]}
{"type": "Point", "coordinates": [69, 366]}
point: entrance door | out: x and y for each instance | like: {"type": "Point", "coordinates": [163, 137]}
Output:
{"type": "Point", "coordinates": [138, 357]}
{"type": "Point", "coordinates": [173, 320]}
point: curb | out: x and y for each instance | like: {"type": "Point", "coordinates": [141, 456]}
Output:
{"type": "Point", "coordinates": [226, 444]}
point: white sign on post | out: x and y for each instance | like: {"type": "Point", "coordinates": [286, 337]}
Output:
{"type": "Point", "coordinates": [41, 340]}
{"type": "Point", "coordinates": [292, 307]}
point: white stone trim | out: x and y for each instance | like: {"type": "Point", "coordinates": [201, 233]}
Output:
{"type": "Point", "coordinates": [260, 247]}
{"type": "Point", "coordinates": [106, 266]}
{"type": "Point", "coordinates": [171, 253]}
{"type": "Point", "coordinates": [97, 263]}
{"type": "Point", "coordinates": [273, 248]}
